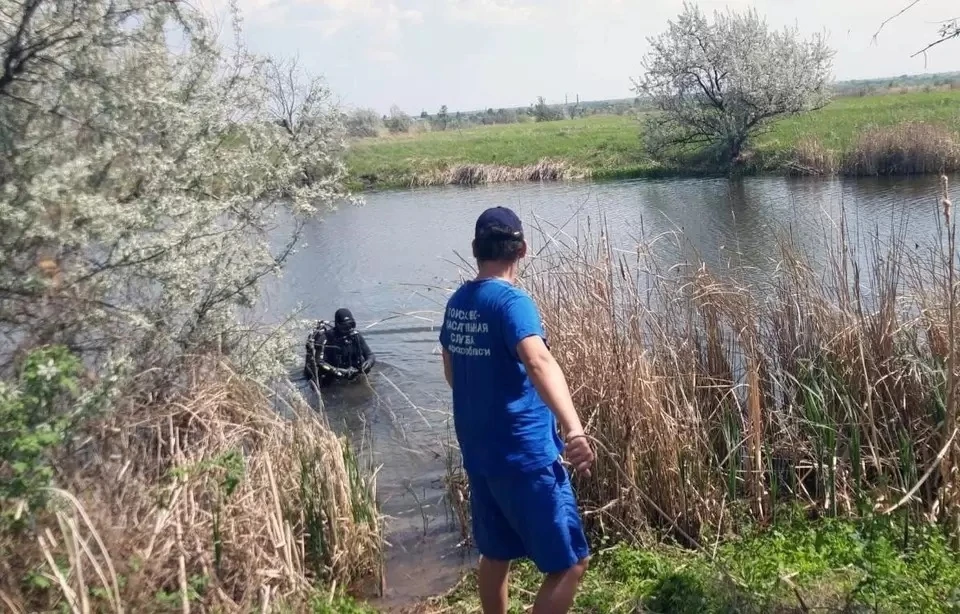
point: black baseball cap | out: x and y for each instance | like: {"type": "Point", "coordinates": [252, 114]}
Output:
{"type": "Point", "coordinates": [498, 222]}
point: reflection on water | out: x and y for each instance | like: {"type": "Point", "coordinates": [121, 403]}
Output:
{"type": "Point", "coordinates": [393, 260]}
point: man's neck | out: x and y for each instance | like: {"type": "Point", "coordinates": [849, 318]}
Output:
{"type": "Point", "coordinates": [498, 270]}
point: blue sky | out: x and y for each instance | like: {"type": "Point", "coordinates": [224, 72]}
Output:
{"type": "Point", "coordinates": [470, 54]}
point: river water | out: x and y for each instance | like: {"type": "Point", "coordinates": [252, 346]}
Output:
{"type": "Point", "coordinates": [393, 260]}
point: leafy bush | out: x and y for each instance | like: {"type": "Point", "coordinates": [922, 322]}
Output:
{"type": "Point", "coordinates": [398, 121]}
{"type": "Point", "coordinates": [542, 112]}
{"type": "Point", "coordinates": [364, 123]}
{"type": "Point", "coordinates": [35, 419]}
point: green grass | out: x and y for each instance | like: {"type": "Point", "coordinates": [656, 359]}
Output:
{"type": "Point", "coordinates": [610, 146]}
{"type": "Point", "coordinates": [594, 143]}
{"type": "Point", "coordinates": [837, 125]}
{"type": "Point", "coordinates": [831, 565]}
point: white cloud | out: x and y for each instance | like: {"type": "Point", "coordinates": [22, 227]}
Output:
{"type": "Point", "coordinates": [384, 15]}
{"type": "Point", "coordinates": [326, 27]}
{"type": "Point", "coordinates": [368, 10]}
{"type": "Point", "coordinates": [383, 56]}
{"type": "Point", "coordinates": [494, 12]}
{"type": "Point", "coordinates": [329, 17]}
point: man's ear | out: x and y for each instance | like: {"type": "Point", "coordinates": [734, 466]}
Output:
{"type": "Point", "coordinates": [523, 250]}
{"type": "Point", "coordinates": [473, 247]}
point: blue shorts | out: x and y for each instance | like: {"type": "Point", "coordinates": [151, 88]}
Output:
{"type": "Point", "coordinates": [530, 514]}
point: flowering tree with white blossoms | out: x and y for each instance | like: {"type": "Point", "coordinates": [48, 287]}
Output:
{"type": "Point", "coordinates": [149, 181]}
{"type": "Point", "coordinates": [718, 83]}
{"type": "Point", "coordinates": [144, 176]}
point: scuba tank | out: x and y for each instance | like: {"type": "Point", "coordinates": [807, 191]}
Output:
{"type": "Point", "coordinates": [310, 359]}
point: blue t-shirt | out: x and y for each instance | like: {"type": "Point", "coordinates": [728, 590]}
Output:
{"type": "Point", "coordinates": [502, 424]}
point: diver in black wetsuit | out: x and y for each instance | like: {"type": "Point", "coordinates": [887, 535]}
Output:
{"type": "Point", "coordinates": [337, 352]}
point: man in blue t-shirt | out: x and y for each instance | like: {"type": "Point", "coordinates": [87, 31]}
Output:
{"type": "Point", "coordinates": [509, 395]}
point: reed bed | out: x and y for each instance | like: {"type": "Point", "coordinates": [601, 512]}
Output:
{"type": "Point", "coordinates": [910, 148]}
{"type": "Point", "coordinates": [480, 174]}
{"type": "Point", "coordinates": [810, 157]}
{"type": "Point", "coordinates": [715, 401]}
{"type": "Point", "coordinates": [206, 500]}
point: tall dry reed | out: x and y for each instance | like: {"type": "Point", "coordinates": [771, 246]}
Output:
{"type": "Point", "coordinates": [479, 174]}
{"type": "Point", "coordinates": [208, 500]}
{"type": "Point", "coordinates": [713, 397]}
{"type": "Point", "coordinates": [910, 148]}
{"type": "Point", "coordinates": [810, 157]}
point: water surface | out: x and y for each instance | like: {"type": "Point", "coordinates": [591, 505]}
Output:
{"type": "Point", "coordinates": [393, 261]}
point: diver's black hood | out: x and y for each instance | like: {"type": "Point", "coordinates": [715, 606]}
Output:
{"type": "Point", "coordinates": [343, 316]}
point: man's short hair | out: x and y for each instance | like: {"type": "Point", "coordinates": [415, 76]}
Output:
{"type": "Point", "coordinates": [498, 236]}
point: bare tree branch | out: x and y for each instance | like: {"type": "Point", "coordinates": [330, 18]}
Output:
{"type": "Point", "coordinates": [889, 19]}
{"type": "Point", "coordinates": [949, 29]}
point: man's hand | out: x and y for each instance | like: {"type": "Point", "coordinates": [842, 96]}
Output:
{"type": "Point", "coordinates": [579, 453]}
{"type": "Point", "coordinates": [352, 373]}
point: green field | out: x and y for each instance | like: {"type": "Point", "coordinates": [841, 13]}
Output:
{"type": "Point", "coordinates": [839, 123]}
{"type": "Point", "coordinates": [595, 143]}
{"type": "Point", "coordinates": [610, 146]}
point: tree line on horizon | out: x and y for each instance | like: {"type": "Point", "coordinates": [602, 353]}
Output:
{"type": "Point", "coordinates": [367, 123]}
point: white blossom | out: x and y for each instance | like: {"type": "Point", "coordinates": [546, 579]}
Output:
{"type": "Point", "coordinates": [718, 82]}
{"type": "Point", "coordinates": [48, 370]}
{"type": "Point", "coordinates": [142, 174]}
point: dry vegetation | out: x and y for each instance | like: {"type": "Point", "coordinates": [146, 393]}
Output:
{"type": "Point", "coordinates": [479, 174]}
{"type": "Point", "coordinates": [207, 498]}
{"type": "Point", "coordinates": [811, 157]}
{"type": "Point", "coordinates": [713, 399]}
{"type": "Point", "coordinates": [910, 148]}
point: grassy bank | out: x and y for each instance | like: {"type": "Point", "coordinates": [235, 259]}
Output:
{"type": "Point", "coordinates": [590, 144]}
{"type": "Point", "coordinates": [799, 565]}
{"type": "Point", "coordinates": [610, 146]}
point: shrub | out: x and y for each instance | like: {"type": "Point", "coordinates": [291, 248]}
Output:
{"type": "Point", "coordinates": [904, 149]}
{"type": "Point", "coordinates": [398, 121]}
{"type": "Point", "coordinates": [364, 123]}
{"type": "Point", "coordinates": [36, 415]}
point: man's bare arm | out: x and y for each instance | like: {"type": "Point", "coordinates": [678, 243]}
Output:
{"type": "Point", "coordinates": [447, 368]}
{"type": "Point", "coordinates": [550, 383]}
